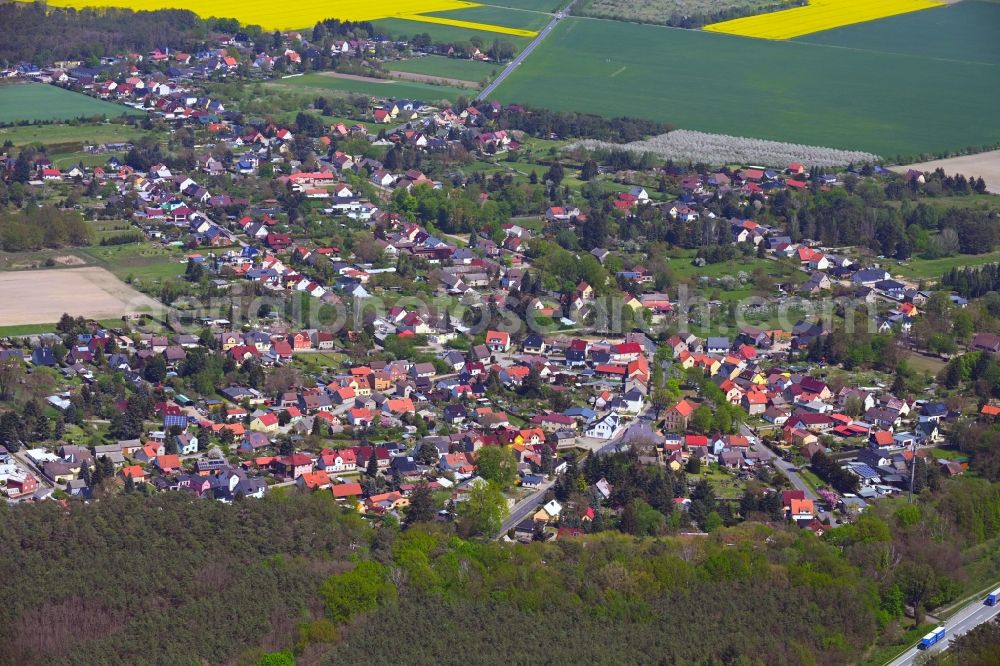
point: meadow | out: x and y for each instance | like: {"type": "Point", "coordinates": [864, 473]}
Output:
{"type": "Point", "coordinates": [452, 68]}
{"type": "Point", "coordinates": [376, 87]}
{"type": "Point", "coordinates": [818, 15]}
{"type": "Point", "coordinates": [78, 135]}
{"type": "Point", "coordinates": [36, 101]}
{"type": "Point", "coordinates": [888, 104]}
{"type": "Point", "coordinates": [967, 31]}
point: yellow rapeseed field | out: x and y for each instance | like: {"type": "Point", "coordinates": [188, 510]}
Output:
{"type": "Point", "coordinates": [818, 15]}
{"type": "Point", "coordinates": [471, 25]}
{"type": "Point", "coordinates": [279, 16]}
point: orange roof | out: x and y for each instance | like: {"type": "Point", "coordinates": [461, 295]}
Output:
{"type": "Point", "coordinates": [315, 479]}
{"type": "Point", "coordinates": [133, 471]}
{"type": "Point", "coordinates": [169, 461]}
{"type": "Point", "coordinates": [685, 408]}
{"type": "Point", "coordinates": [800, 506]}
{"type": "Point", "coordinates": [990, 410]}
{"type": "Point", "coordinates": [883, 438]}
{"type": "Point", "coordinates": [346, 490]}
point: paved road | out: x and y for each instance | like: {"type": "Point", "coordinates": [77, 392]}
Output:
{"type": "Point", "coordinates": [972, 615]}
{"type": "Point", "coordinates": [525, 507]}
{"type": "Point", "coordinates": [787, 469]}
{"type": "Point", "coordinates": [509, 69]}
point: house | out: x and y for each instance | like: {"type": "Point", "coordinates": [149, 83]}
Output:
{"type": "Point", "coordinates": [605, 427]}
{"type": "Point", "coordinates": [267, 422]}
{"type": "Point", "coordinates": [498, 341]}
{"type": "Point", "coordinates": [293, 466]}
{"type": "Point", "coordinates": [676, 418]}
{"type": "Point", "coordinates": [987, 342]}
{"type": "Point", "coordinates": [548, 513]}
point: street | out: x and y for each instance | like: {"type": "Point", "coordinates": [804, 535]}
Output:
{"type": "Point", "coordinates": [787, 469]}
{"type": "Point", "coordinates": [525, 507]}
{"type": "Point", "coordinates": [972, 615]}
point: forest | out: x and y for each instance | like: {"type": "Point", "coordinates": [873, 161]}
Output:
{"type": "Point", "coordinates": [47, 227]}
{"type": "Point", "coordinates": [170, 579]}
{"type": "Point", "coordinates": [39, 34]}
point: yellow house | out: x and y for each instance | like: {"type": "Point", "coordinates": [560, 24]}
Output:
{"type": "Point", "coordinates": [265, 423]}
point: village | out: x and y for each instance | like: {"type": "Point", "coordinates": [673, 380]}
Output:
{"type": "Point", "coordinates": [500, 353]}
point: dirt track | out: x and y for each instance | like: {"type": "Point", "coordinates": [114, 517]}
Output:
{"type": "Point", "coordinates": [42, 296]}
{"type": "Point", "coordinates": [983, 165]}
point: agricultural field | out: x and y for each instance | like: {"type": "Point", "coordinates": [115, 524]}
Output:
{"type": "Point", "coordinates": [719, 149]}
{"type": "Point", "coordinates": [304, 15]}
{"type": "Point", "coordinates": [472, 25]}
{"type": "Point", "coordinates": [30, 102]}
{"type": "Point", "coordinates": [967, 31]}
{"type": "Point", "coordinates": [680, 13]}
{"type": "Point", "coordinates": [142, 261]}
{"type": "Point", "coordinates": [981, 165]}
{"type": "Point", "coordinates": [512, 18]}
{"type": "Point", "coordinates": [404, 27]}
{"type": "Point", "coordinates": [272, 16]}
{"type": "Point", "coordinates": [817, 16]}
{"type": "Point", "coordinates": [533, 5]}
{"type": "Point", "coordinates": [375, 87]}
{"type": "Point", "coordinates": [446, 68]}
{"type": "Point", "coordinates": [75, 136]}
{"type": "Point", "coordinates": [782, 91]}
{"type": "Point", "coordinates": [88, 292]}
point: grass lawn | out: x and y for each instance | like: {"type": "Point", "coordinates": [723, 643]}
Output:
{"type": "Point", "coordinates": [35, 329]}
{"type": "Point", "coordinates": [811, 479]}
{"type": "Point", "coordinates": [78, 134]}
{"type": "Point", "coordinates": [725, 485]}
{"type": "Point", "coordinates": [38, 101]}
{"type": "Point", "coordinates": [918, 268]}
{"type": "Point", "coordinates": [388, 89]}
{"type": "Point", "coordinates": [947, 453]}
{"type": "Point", "coordinates": [320, 361]}
{"type": "Point", "coordinates": [922, 363]}
{"type": "Point", "coordinates": [760, 88]}
{"type": "Point", "coordinates": [445, 67]}
{"type": "Point", "coordinates": [142, 261]}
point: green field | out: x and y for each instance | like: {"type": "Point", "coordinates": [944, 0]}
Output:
{"type": "Point", "coordinates": [37, 101]}
{"type": "Point", "coordinates": [450, 68]}
{"type": "Point", "coordinates": [446, 34]}
{"type": "Point", "coordinates": [917, 268]}
{"type": "Point", "coordinates": [786, 91]}
{"type": "Point", "coordinates": [510, 18]}
{"type": "Point", "coordinates": [82, 134]}
{"type": "Point", "coordinates": [967, 32]}
{"type": "Point", "coordinates": [390, 89]}
{"type": "Point", "coordinates": [143, 261]}
{"type": "Point", "coordinates": [534, 5]}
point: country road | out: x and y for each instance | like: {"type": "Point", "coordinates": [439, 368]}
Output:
{"type": "Point", "coordinates": [515, 63]}
{"type": "Point", "coordinates": [969, 617]}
